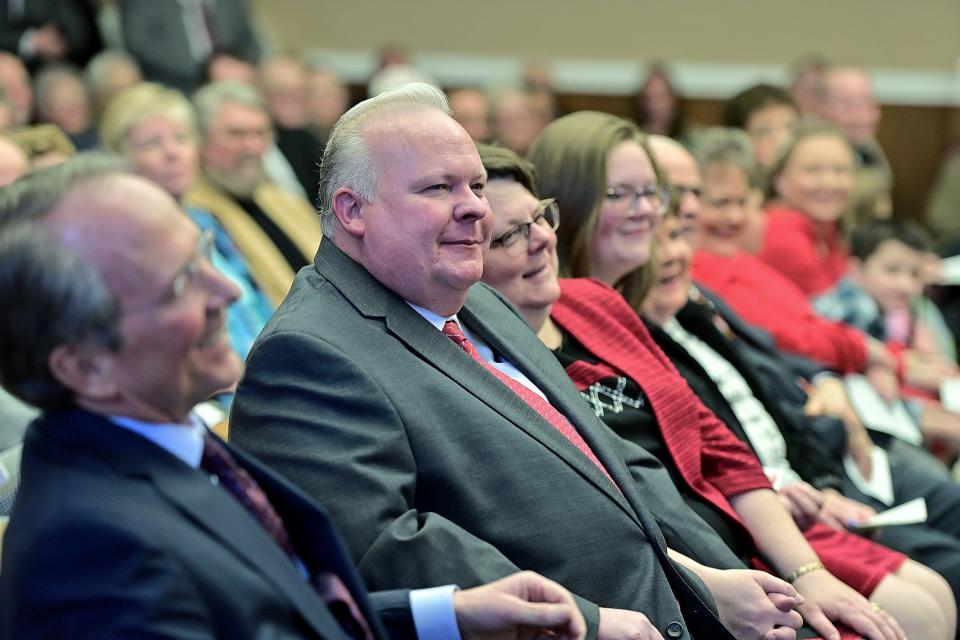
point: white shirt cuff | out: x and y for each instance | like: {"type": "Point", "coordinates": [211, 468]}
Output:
{"type": "Point", "coordinates": [433, 614]}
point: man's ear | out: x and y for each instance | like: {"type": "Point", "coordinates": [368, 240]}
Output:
{"type": "Point", "coordinates": [86, 369]}
{"type": "Point", "coordinates": [347, 206]}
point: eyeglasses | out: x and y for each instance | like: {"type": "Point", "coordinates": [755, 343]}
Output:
{"type": "Point", "coordinates": [547, 215]}
{"type": "Point", "coordinates": [727, 203]}
{"type": "Point", "coordinates": [680, 190]}
{"type": "Point", "coordinates": [188, 274]}
{"type": "Point", "coordinates": [627, 200]}
{"type": "Point", "coordinates": [185, 277]}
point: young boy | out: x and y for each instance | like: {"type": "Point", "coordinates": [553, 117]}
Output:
{"type": "Point", "coordinates": [883, 293]}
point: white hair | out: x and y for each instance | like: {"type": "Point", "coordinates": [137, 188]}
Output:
{"type": "Point", "coordinates": [346, 159]}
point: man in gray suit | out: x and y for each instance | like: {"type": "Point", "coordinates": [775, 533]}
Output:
{"type": "Point", "coordinates": [446, 440]}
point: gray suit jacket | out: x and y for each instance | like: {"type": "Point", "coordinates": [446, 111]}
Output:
{"type": "Point", "coordinates": [436, 472]}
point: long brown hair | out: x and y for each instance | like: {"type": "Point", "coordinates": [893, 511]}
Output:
{"type": "Point", "coordinates": [570, 157]}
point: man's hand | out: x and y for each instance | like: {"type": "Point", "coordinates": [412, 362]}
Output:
{"type": "Point", "coordinates": [752, 603]}
{"type": "Point", "coordinates": [829, 601]}
{"type": "Point", "coordinates": [840, 512]}
{"type": "Point", "coordinates": [803, 502]}
{"type": "Point", "coordinates": [829, 397]}
{"type": "Point", "coordinates": [620, 624]}
{"type": "Point", "coordinates": [524, 606]}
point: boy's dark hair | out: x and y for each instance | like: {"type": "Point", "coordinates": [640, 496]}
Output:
{"type": "Point", "coordinates": [738, 109]}
{"type": "Point", "coordinates": [866, 238]}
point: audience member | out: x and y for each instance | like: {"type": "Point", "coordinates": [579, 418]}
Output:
{"type": "Point", "coordinates": [882, 295]}
{"type": "Point", "coordinates": [235, 135]}
{"type": "Point", "coordinates": [658, 107]}
{"type": "Point", "coordinates": [175, 42]}
{"type": "Point", "coordinates": [327, 99]}
{"type": "Point", "coordinates": [762, 296]}
{"type": "Point", "coordinates": [515, 122]}
{"type": "Point", "coordinates": [768, 114]}
{"type": "Point", "coordinates": [134, 520]}
{"type": "Point", "coordinates": [226, 66]}
{"type": "Point", "coordinates": [342, 390]}
{"type": "Point", "coordinates": [15, 82]}
{"type": "Point", "coordinates": [807, 85]}
{"type": "Point", "coordinates": [610, 356]}
{"type": "Point", "coordinates": [755, 290]}
{"type": "Point", "coordinates": [682, 178]}
{"type": "Point", "coordinates": [61, 98]}
{"type": "Point", "coordinates": [849, 103]}
{"type": "Point", "coordinates": [283, 83]}
{"type": "Point", "coordinates": [943, 206]}
{"type": "Point", "coordinates": [717, 368]}
{"type": "Point", "coordinates": [471, 108]}
{"type": "Point", "coordinates": [108, 73]}
{"type": "Point", "coordinates": [155, 127]}
{"type": "Point", "coordinates": [812, 181]}
{"type": "Point", "coordinates": [45, 31]}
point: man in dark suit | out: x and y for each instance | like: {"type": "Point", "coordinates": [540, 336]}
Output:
{"type": "Point", "coordinates": [132, 519]}
{"type": "Point", "coordinates": [418, 406]}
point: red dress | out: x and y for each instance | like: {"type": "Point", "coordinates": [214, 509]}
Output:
{"type": "Point", "coordinates": [713, 461]}
{"type": "Point", "coordinates": [766, 298]}
{"type": "Point", "coordinates": [813, 255]}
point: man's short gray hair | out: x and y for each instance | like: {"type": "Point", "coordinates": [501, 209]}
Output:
{"type": "Point", "coordinates": [52, 296]}
{"type": "Point", "coordinates": [346, 159]}
{"type": "Point", "coordinates": [209, 99]}
{"type": "Point", "coordinates": [727, 146]}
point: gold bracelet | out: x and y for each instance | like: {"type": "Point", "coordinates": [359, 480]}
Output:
{"type": "Point", "coordinates": [804, 570]}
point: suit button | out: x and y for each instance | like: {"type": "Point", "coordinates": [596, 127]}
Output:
{"type": "Point", "coordinates": [674, 629]}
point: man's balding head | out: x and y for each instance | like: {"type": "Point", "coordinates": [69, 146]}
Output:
{"type": "Point", "coordinates": [683, 175]}
{"type": "Point", "coordinates": [402, 186]}
{"type": "Point", "coordinates": [849, 103]}
{"type": "Point", "coordinates": [124, 316]}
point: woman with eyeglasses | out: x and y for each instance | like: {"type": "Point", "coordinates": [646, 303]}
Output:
{"type": "Point", "coordinates": [588, 325]}
{"type": "Point", "coordinates": [155, 127]}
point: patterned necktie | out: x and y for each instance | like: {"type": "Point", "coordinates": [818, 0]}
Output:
{"type": "Point", "coordinates": [452, 330]}
{"type": "Point", "coordinates": [217, 461]}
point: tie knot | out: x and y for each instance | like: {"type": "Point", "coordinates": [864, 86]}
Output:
{"type": "Point", "coordinates": [452, 330]}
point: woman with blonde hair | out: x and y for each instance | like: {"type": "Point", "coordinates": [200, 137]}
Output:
{"type": "Point", "coordinates": [155, 127]}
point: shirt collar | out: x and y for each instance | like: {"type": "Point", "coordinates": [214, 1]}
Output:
{"type": "Point", "coordinates": [434, 318]}
{"type": "Point", "coordinates": [183, 441]}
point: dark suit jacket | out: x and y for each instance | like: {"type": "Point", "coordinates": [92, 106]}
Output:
{"type": "Point", "coordinates": [778, 372]}
{"type": "Point", "coordinates": [112, 536]}
{"type": "Point", "coordinates": [74, 18]}
{"type": "Point", "coordinates": [808, 457]}
{"type": "Point", "coordinates": [436, 471]}
{"type": "Point", "coordinates": [154, 33]}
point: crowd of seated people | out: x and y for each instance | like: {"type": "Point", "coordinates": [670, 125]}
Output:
{"type": "Point", "coordinates": [649, 361]}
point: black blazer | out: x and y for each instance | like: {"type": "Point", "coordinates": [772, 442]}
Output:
{"type": "Point", "coordinates": [809, 458]}
{"type": "Point", "coordinates": [112, 536]}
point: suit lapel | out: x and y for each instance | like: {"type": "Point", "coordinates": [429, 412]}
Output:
{"type": "Point", "coordinates": [312, 533]}
{"type": "Point", "coordinates": [189, 490]}
{"type": "Point", "coordinates": [373, 300]}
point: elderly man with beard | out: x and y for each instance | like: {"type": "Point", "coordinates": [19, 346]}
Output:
{"type": "Point", "coordinates": [235, 137]}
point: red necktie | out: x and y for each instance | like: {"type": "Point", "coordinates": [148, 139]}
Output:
{"type": "Point", "coordinates": [217, 460]}
{"type": "Point", "coordinates": [452, 330]}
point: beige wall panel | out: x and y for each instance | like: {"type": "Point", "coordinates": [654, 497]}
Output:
{"type": "Point", "coordinates": [921, 34]}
